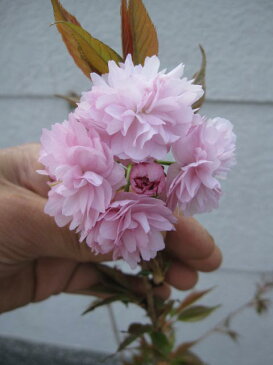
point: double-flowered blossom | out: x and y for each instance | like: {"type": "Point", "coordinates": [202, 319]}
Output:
{"type": "Point", "coordinates": [140, 111]}
{"type": "Point", "coordinates": [84, 173]}
{"type": "Point", "coordinates": [203, 156]}
{"type": "Point", "coordinates": [130, 228]}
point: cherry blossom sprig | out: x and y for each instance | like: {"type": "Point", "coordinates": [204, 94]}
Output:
{"type": "Point", "coordinates": [130, 119]}
{"type": "Point", "coordinates": [110, 176]}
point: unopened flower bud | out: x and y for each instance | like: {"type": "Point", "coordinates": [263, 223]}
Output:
{"type": "Point", "coordinates": [147, 178]}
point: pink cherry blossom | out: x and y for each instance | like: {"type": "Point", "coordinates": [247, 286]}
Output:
{"type": "Point", "coordinates": [140, 111]}
{"type": "Point", "coordinates": [203, 156]}
{"type": "Point", "coordinates": [84, 172]}
{"type": "Point", "coordinates": [130, 228]}
{"type": "Point", "coordinates": [148, 179]}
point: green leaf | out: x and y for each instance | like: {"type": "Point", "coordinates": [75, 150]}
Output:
{"type": "Point", "coordinates": [139, 328]}
{"type": "Point", "coordinates": [164, 310]}
{"type": "Point", "coordinates": [135, 330]}
{"type": "Point", "coordinates": [93, 52]}
{"type": "Point", "coordinates": [189, 358]}
{"type": "Point", "coordinates": [196, 313]}
{"type": "Point", "coordinates": [100, 302]}
{"type": "Point", "coordinates": [115, 282]}
{"type": "Point", "coordinates": [143, 32]}
{"type": "Point", "coordinates": [161, 343]}
{"type": "Point", "coordinates": [112, 280]}
{"type": "Point", "coordinates": [126, 342]}
{"type": "Point", "coordinates": [103, 289]}
{"type": "Point", "coordinates": [114, 275]}
{"type": "Point", "coordinates": [200, 79]}
{"type": "Point", "coordinates": [144, 273]}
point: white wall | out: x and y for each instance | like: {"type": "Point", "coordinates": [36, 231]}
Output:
{"type": "Point", "coordinates": [237, 36]}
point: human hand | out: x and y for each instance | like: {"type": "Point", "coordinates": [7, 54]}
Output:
{"type": "Point", "coordinates": [39, 259]}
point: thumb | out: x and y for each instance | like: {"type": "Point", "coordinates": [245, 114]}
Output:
{"type": "Point", "coordinates": [19, 165]}
{"type": "Point", "coordinates": [28, 233]}
{"type": "Point", "coordinates": [23, 201]}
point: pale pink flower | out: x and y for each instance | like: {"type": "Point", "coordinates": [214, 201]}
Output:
{"type": "Point", "coordinates": [130, 228]}
{"type": "Point", "coordinates": [205, 154]}
{"type": "Point", "coordinates": [84, 172]}
{"type": "Point", "coordinates": [148, 179]}
{"type": "Point", "coordinates": [139, 110]}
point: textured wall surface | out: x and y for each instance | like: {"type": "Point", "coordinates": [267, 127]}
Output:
{"type": "Point", "coordinates": [237, 36]}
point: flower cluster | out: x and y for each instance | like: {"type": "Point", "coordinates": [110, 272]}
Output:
{"type": "Point", "coordinates": [109, 181]}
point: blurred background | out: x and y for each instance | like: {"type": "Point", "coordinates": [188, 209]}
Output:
{"type": "Point", "coordinates": [237, 36]}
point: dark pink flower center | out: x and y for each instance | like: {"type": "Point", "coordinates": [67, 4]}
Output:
{"type": "Point", "coordinates": [143, 184]}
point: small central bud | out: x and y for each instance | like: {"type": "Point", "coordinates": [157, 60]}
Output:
{"type": "Point", "coordinates": [147, 179]}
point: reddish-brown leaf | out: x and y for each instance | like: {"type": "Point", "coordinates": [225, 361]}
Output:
{"type": "Point", "coordinates": [95, 53]}
{"type": "Point", "coordinates": [72, 98]}
{"type": "Point", "coordinates": [144, 35]}
{"type": "Point", "coordinates": [190, 299]}
{"type": "Point", "coordinates": [60, 14]}
{"type": "Point", "coordinates": [200, 79]}
{"type": "Point", "coordinates": [126, 35]}
{"type": "Point", "coordinates": [181, 349]}
{"type": "Point", "coordinates": [101, 302]}
{"type": "Point", "coordinates": [189, 358]}
{"type": "Point", "coordinates": [196, 313]}
{"type": "Point", "coordinates": [89, 54]}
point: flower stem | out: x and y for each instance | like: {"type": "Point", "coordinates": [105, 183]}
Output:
{"type": "Point", "coordinates": [167, 163]}
{"type": "Point", "coordinates": [115, 328]}
{"type": "Point", "coordinates": [128, 172]}
{"type": "Point", "coordinates": [150, 302]}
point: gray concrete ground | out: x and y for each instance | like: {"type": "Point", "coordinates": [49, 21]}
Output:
{"type": "Point", "coordinates": [19, 352]}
